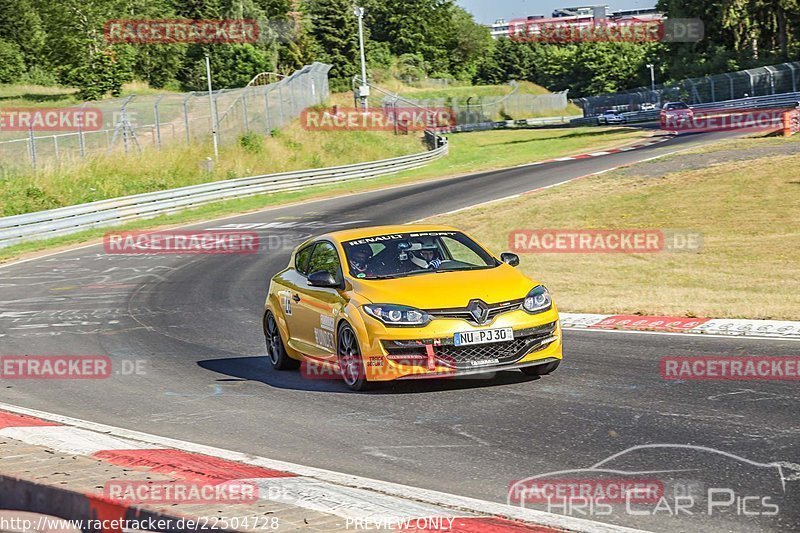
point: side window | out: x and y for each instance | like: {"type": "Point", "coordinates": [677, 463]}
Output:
{"type": "Point", "coordinates": [326, 259]}
{"type": "Point", "coordinates": [301, 259]}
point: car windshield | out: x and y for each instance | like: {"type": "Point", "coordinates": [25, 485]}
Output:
{"type": "Point", "coordinates": [407, 254]}
{"type": "Point", "coordinates": [677, 105]}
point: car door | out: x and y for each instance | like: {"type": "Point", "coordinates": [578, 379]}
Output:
{"type": "Point", "coordinates": [315, 308]}
{"type": "Point", "coordinates": [289, 284]}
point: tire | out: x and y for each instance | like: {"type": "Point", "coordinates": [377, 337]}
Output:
{"type": "Point", "coordinates": [351, 365]}
{"type": "Point", "coordinates": [275, 349]}
{"type": "Point", "coordinates": [540, 370]}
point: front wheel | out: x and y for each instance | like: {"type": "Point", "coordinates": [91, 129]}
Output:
{"type": "Point", "coordinates": [275, 349]}
{"type": "Point", "coordinates": [351, 365]}
{"type": "Point", "coordinates": [540, 370]}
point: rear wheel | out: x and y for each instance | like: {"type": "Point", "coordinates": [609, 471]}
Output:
{"type": "Point", "coordinates": [275, 349]}
{"type": "Point", "coordinates": [540, 370]}
{"type": "Point", "coordinates": [351, 365]}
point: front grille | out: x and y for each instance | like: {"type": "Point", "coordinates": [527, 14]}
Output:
{"type": "Point", "coordinates": [464, 357]}
{"type": "Point", "coordinates": [464, 314]}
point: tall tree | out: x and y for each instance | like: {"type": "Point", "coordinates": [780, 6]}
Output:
{"type": "Point", "coordinates": [334, 27]}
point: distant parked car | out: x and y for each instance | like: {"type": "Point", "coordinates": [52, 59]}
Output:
{"type": "Point", "coordinates": [611, 117]}
{"type": "Point", "coordinates": [648, 107]}
{"type": "Point", "coordinates": [675, 113]}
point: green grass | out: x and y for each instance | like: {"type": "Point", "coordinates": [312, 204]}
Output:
{"type": "Point", "coordinates": [460, 93]}
{"type": "Point", "coordinates": [16, 95]}
{"type": "Point", "coordinates": [471, 152]}
{"type": "Point", "coordinates": [481, 151]}
{"type": "Point", "coordinates": [36, 96]}
{"type": "Point", "coordinates": [23, 190]}
{"type": "Point", "coordinates": [748, 213]}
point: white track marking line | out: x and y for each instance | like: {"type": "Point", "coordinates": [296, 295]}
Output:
{"type": "Point", "coordinates": [342, 501]}
{"type": "Point", "coordinates": [35, 258]}
{"type": "Point", "coordinates": [581, 319]}
{"type": "Point", "coordinates": [682, 334]}
{"type": "Point", "coordinates": [451, 501]}
{"type": "Point", "coordinates": [71, 440]}
{"type": "Point", "coordinates": [482, 204]}
{"type": "Point", "coordinates": [511, 197]}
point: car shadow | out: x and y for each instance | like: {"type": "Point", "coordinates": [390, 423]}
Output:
{"type": "Point", "coordinates": [258, 369]}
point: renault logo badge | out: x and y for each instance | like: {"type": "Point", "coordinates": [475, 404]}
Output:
{"type": "Point", "coordinates": [479, 311]}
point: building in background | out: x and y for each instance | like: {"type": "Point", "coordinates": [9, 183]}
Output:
{"type": "Point", "coordinates": [595, 11]}
{"type": "Point", "coordinates": [581, 16]}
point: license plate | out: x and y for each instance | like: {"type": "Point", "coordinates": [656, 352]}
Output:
{"type": "Point", "coordinates": [484, 336]}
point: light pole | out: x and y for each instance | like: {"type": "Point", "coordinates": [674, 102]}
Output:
{"type": "Point", "coordinates": [652, 76]}
{"type": "Point", "coordinates": [363, 90]}
{"type": "Point", "coordinates": [211, 108]}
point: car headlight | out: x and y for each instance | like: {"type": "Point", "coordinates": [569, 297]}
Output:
{"type": "Point", "coordinates": [397, 315]}
{"type": "Point", "coordinates": [538, 300]}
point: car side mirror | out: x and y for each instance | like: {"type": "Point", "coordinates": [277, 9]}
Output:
{"type": "Point", "coordinates": [322, 278]}
{"type": "Point", "coordinates": [510, 259]}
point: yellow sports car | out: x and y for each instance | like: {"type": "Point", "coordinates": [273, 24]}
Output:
{"type": "Point", "coordinates": [401, 302]}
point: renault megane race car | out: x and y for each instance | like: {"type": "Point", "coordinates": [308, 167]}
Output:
{"type": "Point", "coordinates": [401, 302]}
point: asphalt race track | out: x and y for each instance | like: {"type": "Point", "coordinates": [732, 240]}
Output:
{"type": "Point", "coordinates": [193, 323]}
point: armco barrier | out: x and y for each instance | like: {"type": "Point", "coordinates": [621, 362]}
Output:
{"type": "Point", "coordinates": [787, 100]}
{"type": "Point", "coordinates": [67, 220]}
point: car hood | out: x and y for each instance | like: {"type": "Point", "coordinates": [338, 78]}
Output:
{"type": "Point", "coordinates": [448, 289]}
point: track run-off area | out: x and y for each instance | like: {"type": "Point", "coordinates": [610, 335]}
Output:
{"type": "Point", "coordinates": [184, 335]}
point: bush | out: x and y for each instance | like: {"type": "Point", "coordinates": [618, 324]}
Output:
{"type": "Point", "coordinates": [411, 68]}
{"type": "Point", "coordinates": [232, 66]}
{"type": "Point", "coordinates": [12, 66]}
{"type": "Point", "coordinates": [37, 75]}
{"type": "Point", "coordinates": [102, 73]}
{"type": "Point", "coordinates": [252, 142]}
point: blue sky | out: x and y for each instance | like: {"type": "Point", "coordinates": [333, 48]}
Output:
{"type": "Point", "coordinates": [487, 11]}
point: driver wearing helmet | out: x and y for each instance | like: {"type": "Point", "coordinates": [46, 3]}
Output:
{"type": "Point", "coordinates": [360, 257]}
{"type": "Point", "coordinates": [428, 256]}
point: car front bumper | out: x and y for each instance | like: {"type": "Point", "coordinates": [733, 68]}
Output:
{"type": "Point", "coordinates": [430, 352]}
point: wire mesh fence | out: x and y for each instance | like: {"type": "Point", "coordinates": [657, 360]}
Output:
{"type": "Point", "coordinates": [764, 81]}
{"type": "Point", "coordinates": [476, 110]}
{"type": "Point", "coordinates": [152, 122]}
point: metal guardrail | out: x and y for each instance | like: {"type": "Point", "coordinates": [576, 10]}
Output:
{"type": "Point", "coordinates": [777, 101]}
{"type": "Point", "coordinates": [67, 220]}
{"type": "Point", "coordinates": [762, 81]}
{"type": "Point", "coordinates": [510, 124]}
